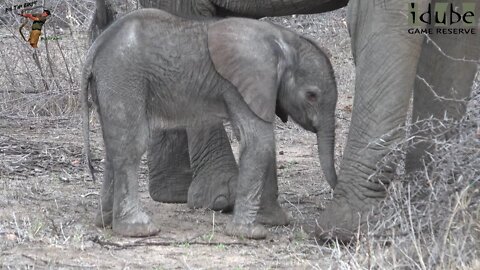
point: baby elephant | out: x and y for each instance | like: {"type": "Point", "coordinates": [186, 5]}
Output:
{"type": "Point", "coordinates": [153, 70]}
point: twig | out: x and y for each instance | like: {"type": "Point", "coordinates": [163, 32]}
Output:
{"type": "Point", "coordinates": [70, 77]}
{"type": "Point", "coordinates": [296, 208]}
{"type": "Point", "coordinates": [49, 60]}
{"type": "Point", "coordinates": [429, 86]}
{"type": "Point", "coordinates": [8, 69]}
{"type": "Point", "coordinates": [39, 66]}
{"type": "Point", "coordinates": [89, 194]}
{"type": "Point", "coordinates": [142, 243]}
{"type": "Point", "coordinates": [430, 40]}
{"type": "Point", "coordinates": [49, 263]}
{"type": "Point", "coordinates": [454, 213]}
{"type": "Point", "coordinates": [19, 233]}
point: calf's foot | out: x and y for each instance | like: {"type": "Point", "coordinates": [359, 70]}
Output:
{"type": "Point", "coordinates": [273, 215]}
{"type": "Point", "coordinates": [135, 224]}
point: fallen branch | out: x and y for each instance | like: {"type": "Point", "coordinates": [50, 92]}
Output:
{"type": "Point", "coordinates": [55, 263]}
{"type": "Point", "coordinates": [143, 242]}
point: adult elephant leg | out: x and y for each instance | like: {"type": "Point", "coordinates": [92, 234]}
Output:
{"type": "Point", "coordinates": [444, 80]}
{"type": "Point", "coordinates": [386, 58]}
{"type": "Point", "coordinates": [170, 175]}
{"type": "Point", "coordinates": [215, 174]}
{"type": "Point", "coordinates": [214, 168]}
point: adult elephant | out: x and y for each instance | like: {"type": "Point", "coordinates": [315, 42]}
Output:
{"type": "Point", "coordinates": [390, 64]}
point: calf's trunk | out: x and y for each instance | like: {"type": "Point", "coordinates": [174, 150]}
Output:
{"type": "Point", "coordinates": [326, 152]}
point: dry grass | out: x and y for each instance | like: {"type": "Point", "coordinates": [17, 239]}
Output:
{"type": "Point", "coordinates": [43, 82]}
{"type": "Point", "coordinates": [431, 219]}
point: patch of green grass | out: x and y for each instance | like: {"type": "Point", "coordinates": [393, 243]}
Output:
{"type": "Point", "coordinates": [184, 245]}
{"type": "Point", "coordinates": [208, 237]}
{"type": "Point", "coordinates": [221, 247]}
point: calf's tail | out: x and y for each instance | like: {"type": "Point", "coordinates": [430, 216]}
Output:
{"type": "Point", "coordinates": [86, 84]}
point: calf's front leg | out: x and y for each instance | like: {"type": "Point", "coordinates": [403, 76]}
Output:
{"type": "Point", "coordinates": [257, 164]}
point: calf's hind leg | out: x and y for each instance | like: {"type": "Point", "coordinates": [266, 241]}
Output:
{"type": "Point", "coordinates": [125, 132]}
{"type": "Point", "coordinates": [104, 216]}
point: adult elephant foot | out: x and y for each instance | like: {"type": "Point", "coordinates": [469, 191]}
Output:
{"type": "Point", "coordinates": [347, 214]}
{"type": "Point", "coordinates": [170, 175]}
{"type": "Point", "coordinates": [216, 195]}
{"type": "Point", "coordinates": [339, 222]}
{"type": "Point", "coordinates": [214, 168]}
{"type": "Point", "coordinates": [135, 223]}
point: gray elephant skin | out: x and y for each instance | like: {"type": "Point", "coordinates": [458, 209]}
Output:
{"type": "Point", "coordinates": [166, 72]}
{"type": "Point", "coordinates": [391, 66]}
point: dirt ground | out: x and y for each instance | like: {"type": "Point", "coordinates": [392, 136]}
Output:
{"type": "Point", "coordinates": [48, 201]}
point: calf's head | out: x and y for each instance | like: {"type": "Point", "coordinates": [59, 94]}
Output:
{"type": "Point", "coordinates": [308, 94]}
{"type": "Point", "coordinates": [278, 71]}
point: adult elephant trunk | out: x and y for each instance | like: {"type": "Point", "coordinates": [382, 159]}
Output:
{"type": "Point", "coordinates": [326, 152]}
{"type": "Point", "coordinates": [104, 15]}
{"type": "Point", "coordinates": [386, 58]}
{"type": "Point", "coordinates": [259, 9]}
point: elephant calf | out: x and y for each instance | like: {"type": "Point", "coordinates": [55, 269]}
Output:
{"type": "Point", "coordinates": [152, 70]}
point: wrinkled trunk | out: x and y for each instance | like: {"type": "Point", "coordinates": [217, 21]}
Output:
{"type": "Point", "coordinates": [326, 152]}
{"type": "Point", "coordinates": [258, 9]}
{"type": "Point", "coordinates": [386, 58]}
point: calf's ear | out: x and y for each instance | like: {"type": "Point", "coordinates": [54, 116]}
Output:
{"type": "Point", "coordinates": [253, 57]}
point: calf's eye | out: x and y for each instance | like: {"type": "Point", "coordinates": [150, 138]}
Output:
{"type": "Point", "coordinates": [311, 96]}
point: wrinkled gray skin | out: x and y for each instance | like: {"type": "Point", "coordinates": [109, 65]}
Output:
{"type": "Point", "coordinates": [388, 61]}
{"type": "Point", "coordinates": [164, 72]}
